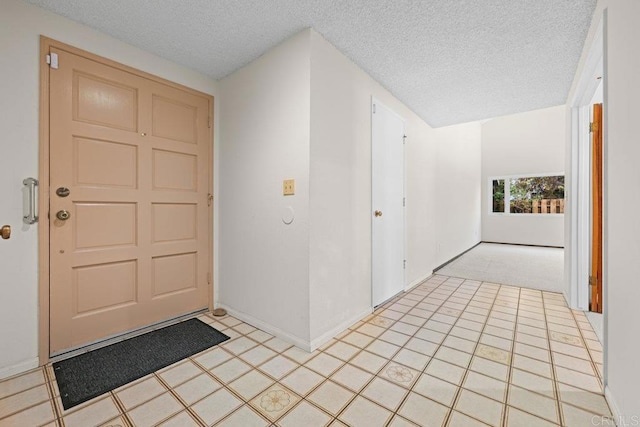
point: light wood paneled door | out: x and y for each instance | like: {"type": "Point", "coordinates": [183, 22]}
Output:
{"type": "Point", "coordinates": [129, 196]}
{"type": "Point", "coordinates": [595, 279]}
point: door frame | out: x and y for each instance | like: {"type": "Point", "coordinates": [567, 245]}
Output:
{"type": "Point", "coordinates": [578, 222]}
{"type": "Point", "coordinates": [46, 44]}
{"type": "Point", "coordinates": [374, 101]}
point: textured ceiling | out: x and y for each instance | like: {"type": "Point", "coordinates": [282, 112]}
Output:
{"type": "Point", "coordinates": [450, 61]}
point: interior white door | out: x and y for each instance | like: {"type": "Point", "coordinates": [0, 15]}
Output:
{"type": "Point", "coordinates": [387, 146]}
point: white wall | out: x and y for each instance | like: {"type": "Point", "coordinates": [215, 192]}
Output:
{"type": "Point", "coordinates": [522, 144]}
{"type": "Point", "coordinates": [20, 28]}
{"type": "Point", "coordinates": [458, 189]}
{"type": "Point", "coordinates": [622, 201]}
{"type": "Point", "coordinates": [264, 129]}
{"type": "Point", "coordinates": [340, 189]}
{"type": "Point", "coordinates": [303, 111]}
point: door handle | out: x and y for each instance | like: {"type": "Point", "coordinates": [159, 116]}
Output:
{"type": "Point", "coordinates": [32, 215]}
{"type": "Point", "coordinates": [377, 213]}
{"type": "Point", "coordinates": [5, 232]}
{"type": "Point", "coordinates": [63, 215]}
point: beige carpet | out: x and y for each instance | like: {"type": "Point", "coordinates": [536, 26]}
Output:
{"type": "Point", "coordinates": [527, 266]}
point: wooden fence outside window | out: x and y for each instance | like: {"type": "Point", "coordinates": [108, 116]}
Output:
{"type": "Point", "coordinates": [544, 206]}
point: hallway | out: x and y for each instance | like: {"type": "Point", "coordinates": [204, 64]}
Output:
{"type": "Point", "coordinates": [516, 265]}
{"type": "Point", "coordinates": [449, 352]}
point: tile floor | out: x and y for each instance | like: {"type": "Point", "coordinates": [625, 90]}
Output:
{"type": "Point", "coordinates": [450, 352]}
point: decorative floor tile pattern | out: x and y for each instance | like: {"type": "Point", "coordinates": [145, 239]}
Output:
{"type": "Point", "coordinates": [450, 352]}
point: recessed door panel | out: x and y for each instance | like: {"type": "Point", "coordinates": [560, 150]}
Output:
{"type": "Point", "coordinates": [174, 171]}
{"type": "Point", "coordinates": [104, 286]}
{"type": "Point", "coordinates": [104, 225]}
{"type": "Point", "coordinates": [105, 163]}
{"type": "Point", "coordinates": [106, 103]}
{"type": "Point", "coordinates": [129, 233]}
{"type": "Point", "coordinates": [174, 221]}
{"type": "Point", "coordinates": [174, 120]}
{"type": "Point", "coordinates": [174, 273]}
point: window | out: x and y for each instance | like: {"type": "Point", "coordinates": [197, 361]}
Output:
{"type": "Point", "coordinates": [528, 195]}
{"type": "Point", "coordinates": [498, 195]}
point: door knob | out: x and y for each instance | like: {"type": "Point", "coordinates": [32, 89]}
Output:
{"type": "Point", "coordinates": [5, 231]}
{"type": "Point", "coordinates": [63, 215]}
{"type": "Point", "coordinates": [377, 213]}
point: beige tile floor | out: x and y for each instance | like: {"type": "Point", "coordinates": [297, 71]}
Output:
{"type": "Point", "coordinates": [450, 352]}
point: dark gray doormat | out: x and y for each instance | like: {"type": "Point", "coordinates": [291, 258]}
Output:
{"type": "Point", "coordinates": [91, 374]}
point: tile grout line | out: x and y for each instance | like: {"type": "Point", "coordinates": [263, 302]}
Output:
{"type": "Point", "coordinates": [482, 331]}
{"type": "Point", "coordinates": [548, 349]}
{"type": "Point", "coordinates": [511, 359]}
{"type": "Point", "coordinates": [594, 367]}
{"type": "Point", "coordinates": [275, 380]}
{"type": "Point", "coordinates": [49, 382]}
{"type": "Point", "coordinates": [420, 373]}
{"type": "Point", "coordinates": [593, 364]}
{"type": "Point", "coordinates": [556, 390]}
{"type": "Point", "coordinates": [121, 408]}
{"type": "Point", "coordinates": [390, 359]}
{"type": "Point", "coordinates": [551, 364]}
{"type": "Point", "coordinates": [179, 399]}
{"type": "Point", "coordinates": [46, 383]}
{"type": "Point", "coordinates": [459, 387]}
{"type": "Point", "coordinates": [225, 386]}
{"type": "Point", "coordinates": [439, 346]}
{"type": "Point", "coordinates": [254, 367]}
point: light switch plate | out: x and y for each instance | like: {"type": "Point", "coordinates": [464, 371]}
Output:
{"type": "Point", "coordinates": [289, 187]}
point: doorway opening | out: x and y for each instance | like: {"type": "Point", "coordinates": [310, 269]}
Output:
{"type": "Point", "coordinates": [586, 270]}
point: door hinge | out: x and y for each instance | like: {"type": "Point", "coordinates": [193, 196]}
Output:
{"type": "Point", "coordinates": [404, 264]}
{"type": "Point", "coordinates": [209, 199]}
{"type": "Point", "coordinates": [209, 122]}
{"type": "Point", "coordinates": [52, 60]}
{"type": "Point", "coordinates": [593, 281]}
{"type": "Point", "coordinates": [374, 108]}
{"type": "Point", "coordinates": [593, 127]}
{"type": "Point", "coordinates": [404, 139]}
{"type": "Point", "coordinates": [404, 201]}
{"type": "Point", "coordinates": [209, 278]}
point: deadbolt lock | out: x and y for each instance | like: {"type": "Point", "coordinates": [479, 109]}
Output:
{"type": "Point", "coordinates": [5, 231]}
{"type": "Point", "coordinates": [63, 215]}
{"type": "Point", "coordinates": [378, 213]}
{"type": "Point", "coordinates": [63, 192]}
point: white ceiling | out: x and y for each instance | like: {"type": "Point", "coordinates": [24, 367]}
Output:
{"type": "Point", "coordinates": [450, 61]}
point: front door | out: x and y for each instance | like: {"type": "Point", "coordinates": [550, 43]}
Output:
{"type": "Point", "coordinates": [387, 152]}
{"type": "Point", "coordinates": [129, 215]}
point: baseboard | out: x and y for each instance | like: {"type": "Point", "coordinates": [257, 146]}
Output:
{"type": "Point", "coordinates": [522, 244]}
{"type": "Point", "coordinates": [277, 332]}
{"type": "Point", "coordinates": [322, 339]}
{"type": "Point", "coordinates": [455, 258]}
{"type": "Point", "coordinates": [417, 282]}
{"type": "Point", "coordinates": [615, 411]}
{"type": "Point", "coordinates": [18, 368]}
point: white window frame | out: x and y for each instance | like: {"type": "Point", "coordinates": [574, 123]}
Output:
{"type": "Point", "coordinates": [507, 193]}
